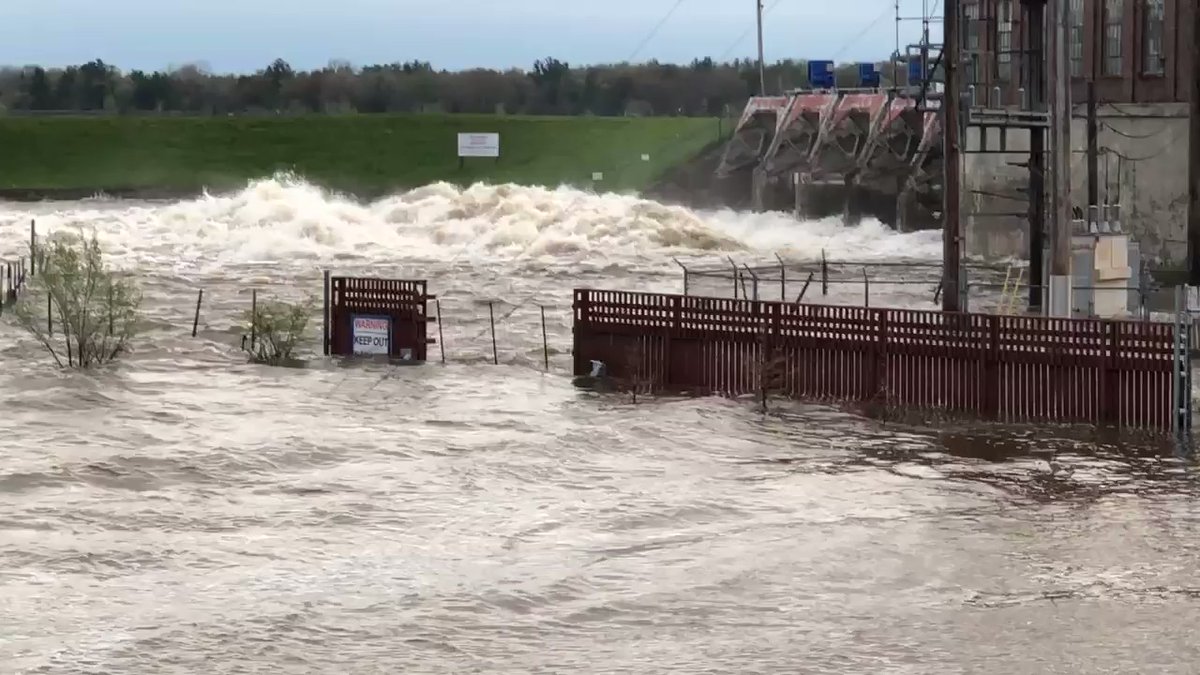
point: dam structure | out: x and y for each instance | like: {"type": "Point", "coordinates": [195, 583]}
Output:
{"type": "Point", "coordinates": [866, 150]}
{"type": "Point", "coordinates": [848, 143]}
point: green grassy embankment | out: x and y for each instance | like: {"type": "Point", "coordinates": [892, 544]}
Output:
{"type": "Point", "coordinates": [367, 155]}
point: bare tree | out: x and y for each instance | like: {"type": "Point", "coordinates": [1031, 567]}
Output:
{"type": "Point", "coordinates": [276, 330]}
{"type": "Point", "coordinates": [768, 366]}
{"type": "Point", "coordinates": [82, 312]}
{"type": "Point", "coordinates": [636, 377]}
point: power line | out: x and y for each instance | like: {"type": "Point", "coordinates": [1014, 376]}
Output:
{"type": "Point", "coordinates": [854, 40]}
{"type": "Point", "coordinates": [654, 31]}
{"type": "Point", "coordinates": [1135, 137]}
{"type": "Point", "coordinates": [747, 32]}
{"type": "Point", "coordinates": [849, 44]}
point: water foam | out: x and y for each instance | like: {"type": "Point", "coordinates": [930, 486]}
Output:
{"type": "Point", "coordinates": [283, 219]}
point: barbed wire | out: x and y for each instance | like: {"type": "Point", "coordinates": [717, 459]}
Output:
{"type": "Point", "coordinates": [505, 316]}
{"type": "Point", "coordinates": [391, 372]}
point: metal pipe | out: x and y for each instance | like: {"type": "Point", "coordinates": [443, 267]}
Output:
{"type": "Point", "coordinates": [1093, 158]}
{"type": "Point", "coordinates": [545, 341]}
{"type": "Point", "coordinates": [1060, 155]}
{"type": "Point", "coordinates": [782, 279]}
{"type": "Point", "coordinates": [326, 312]}
{"type": "Point", "coordinates": [1193, 212]}
{"type": "Point", "coordinates": [952, 164]}
{"type": "Point", "coordinates": [441, 338]}
{"type": "Point", "coordinates": [196, 317]}
{"type": "Point", "coordinates": [492, 321]}
{"type": "Point", "coordinates": [805, 289]}
{"type": "Point", "coordinates": [762, 69]}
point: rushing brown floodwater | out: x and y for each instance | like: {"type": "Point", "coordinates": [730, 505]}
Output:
{"type": "Point", "coordinates": [185, 512]}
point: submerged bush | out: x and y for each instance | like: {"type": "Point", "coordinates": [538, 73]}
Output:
{"type": "Point", "coordinates": [82, 312]}
{"type": "Point", "coordinates": [275, 329]}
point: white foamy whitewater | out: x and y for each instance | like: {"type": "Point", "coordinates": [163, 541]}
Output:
{"type": "Point", "coordinates": [287, 221]}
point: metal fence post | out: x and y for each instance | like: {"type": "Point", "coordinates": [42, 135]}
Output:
{"type": "Point", "coordinates": [1181, 374]}
{"type": "Point", "coordinates": [325, 314]}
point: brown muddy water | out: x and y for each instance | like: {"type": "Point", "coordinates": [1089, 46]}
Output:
{"type": "Point", "coordinates": [185, 512]}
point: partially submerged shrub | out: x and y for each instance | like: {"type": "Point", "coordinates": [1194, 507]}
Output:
{"type": "Point", "coordinates": [275, 330]}
{"type": "Point", "coordinates": [82, 312]}
{"type": "Point", "coordinates": [639, 377]}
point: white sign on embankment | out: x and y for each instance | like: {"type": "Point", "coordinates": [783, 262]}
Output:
{"type": "Point", "coordinates": [479, 145]}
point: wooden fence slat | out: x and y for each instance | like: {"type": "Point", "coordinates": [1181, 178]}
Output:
{"type": "Point", "coordinates": [1017, 369]}
{"type": "Point", "coordinates": [404, 301]}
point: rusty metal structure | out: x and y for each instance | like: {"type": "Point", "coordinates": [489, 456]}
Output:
{"type": "Point", "coordinates": [386, 317]}
{"type": "Point", "coordinates": [786, 148]}
{"type": "Point", "coordinates": [1017, 369]}
{"type": "Point", "coordinates": [827, 148]}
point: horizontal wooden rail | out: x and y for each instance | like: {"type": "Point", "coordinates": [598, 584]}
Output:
{"type": "Point", "coordinates": [1011, 368]}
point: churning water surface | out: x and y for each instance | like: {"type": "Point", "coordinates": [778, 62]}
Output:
{"type": "Point", "coordinates": [184, 512]}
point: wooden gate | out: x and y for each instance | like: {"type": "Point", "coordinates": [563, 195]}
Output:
{"type": "Point", "coordinates": [1008, 368]}
{"type": "Point", "coordinates": [377, 317]}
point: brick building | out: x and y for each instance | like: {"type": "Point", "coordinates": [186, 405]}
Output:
{"type": "Point", "coordinates": [1136, 51]}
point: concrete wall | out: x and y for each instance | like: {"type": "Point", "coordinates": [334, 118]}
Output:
{"type": "Point", "coordinates": [1143, 166]}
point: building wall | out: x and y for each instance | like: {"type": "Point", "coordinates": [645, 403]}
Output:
{"type": "Point", "coordinates": [1148, 70]}
{"type": "Point", "coordinates": [1142, 166]}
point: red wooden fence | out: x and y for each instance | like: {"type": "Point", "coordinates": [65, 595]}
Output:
{"type": "Point", "coordinates": [1008, 368]}
{"type": "Point", "coordinates": [402, 303]}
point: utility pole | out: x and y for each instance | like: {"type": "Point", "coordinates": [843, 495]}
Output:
{"type": "Point", "coordinates": [1037, 219]}
{"type": "Point", "coordinates": [1193, 232]}
{"type": "Point", "coordinates": [762, 69]}
{"type": "Point", "coordinates": [1035, 86]}
{"type": "Point", "coordinates": [896, 54]}
{"type": "Point", "coordinates": [952, 166]}
{"type": "Point", "coordinates": [1060, 155]}
{"type": "Point", "coordinates": [1093, 157]}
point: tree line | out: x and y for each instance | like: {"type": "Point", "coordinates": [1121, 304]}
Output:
{"type": "Point", "coordinates": [551, 87]}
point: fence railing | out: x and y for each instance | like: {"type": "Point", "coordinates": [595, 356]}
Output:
{"type": "Point", "coordinates": [15, 273]}
{"type": "Point", "coordinates": [1007, 368]}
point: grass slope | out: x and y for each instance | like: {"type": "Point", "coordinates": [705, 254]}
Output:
{"type": "Point", "coordinates": [362, 154]}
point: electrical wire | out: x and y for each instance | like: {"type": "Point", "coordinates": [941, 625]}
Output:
{"type": "Point", "coordinates": [1146, 158]}
{"type": "Point", "coordinates": [1136, 137]}
{"type": "Point", "coordinates": [654, 31]}
{"type": "Point", "coordinates": [1118, 107]}
{"type": "Point", "coordinates": [846, 46]}
{"type": "Point", "coordinates": [746, 33]}
{"type": "Point", "coordinates": [854, 40]}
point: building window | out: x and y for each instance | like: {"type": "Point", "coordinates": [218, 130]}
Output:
{"type": "Point", "coordinates": [971, 41]}
{"type": "Point", "coordinates": [1004, 26]}
{"type": "Point", "coordinates": [1114, 19]}
{"type": "Point", "coordinates": [1152, 38]}
{"type": "Point", "coordinates": [1075, 40]}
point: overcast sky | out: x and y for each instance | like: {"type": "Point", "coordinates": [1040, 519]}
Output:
{"type": "Point", "coordinates": [244, 35]}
